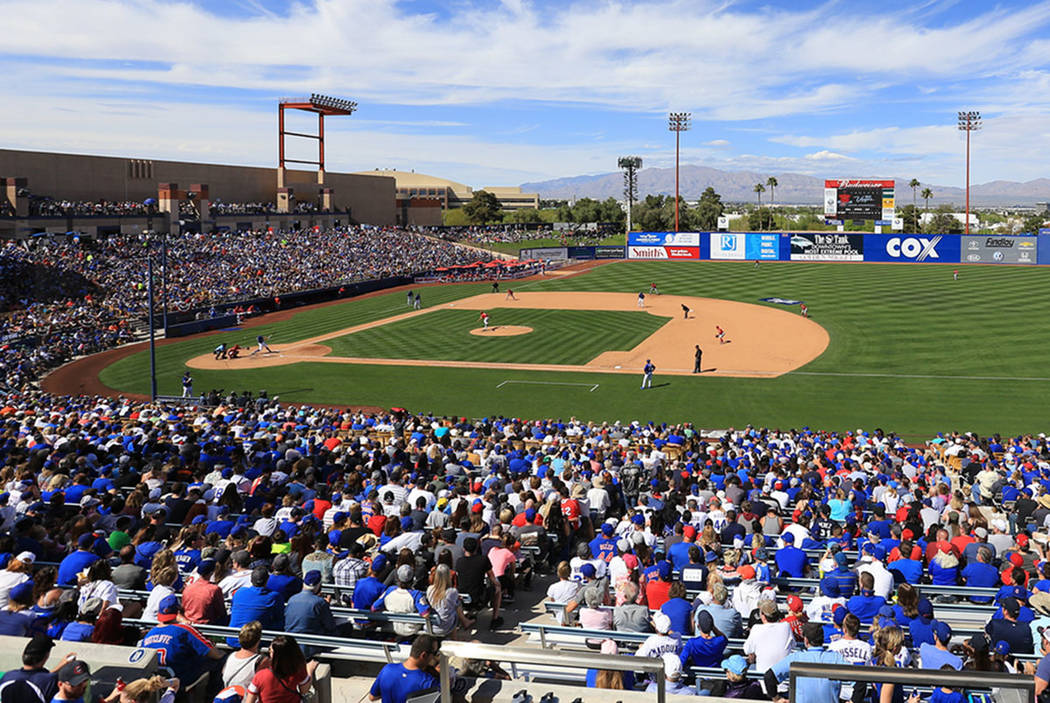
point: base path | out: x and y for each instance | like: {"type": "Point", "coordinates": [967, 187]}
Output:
{"type": "Point", "coordinates": [761, 341]}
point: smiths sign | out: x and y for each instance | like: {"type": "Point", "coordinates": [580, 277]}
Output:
{"type": "Point", "coordinates": [859, 200]}
{"type": "Point", "coordinates": [999, 250]}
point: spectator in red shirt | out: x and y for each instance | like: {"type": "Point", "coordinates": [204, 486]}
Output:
{"type": "Point", "coordinates": [657, 592]}
{"type": "Point", "coordinates": [288, 678]}
{"type": "Point", "coordinates": [202, 600]}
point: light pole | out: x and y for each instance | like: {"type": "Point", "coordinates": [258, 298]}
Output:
{"type": "Point", "coordinates": [630, 166]}
{"type": "Point", "coordinates": [968, 122]}
{"type": "Point", "coordinates": [678, 122]}
{"type": "Point", "coordinates": [151, 207]}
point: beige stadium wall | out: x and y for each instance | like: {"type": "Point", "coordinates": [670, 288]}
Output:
{"type": "Point", "coordinates": [77, 177]}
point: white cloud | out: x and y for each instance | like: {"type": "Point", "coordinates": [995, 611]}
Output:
{"type": "Point", "coordinates": [825, 155]}
{"type": "Point", "coordinates": [720, 143]}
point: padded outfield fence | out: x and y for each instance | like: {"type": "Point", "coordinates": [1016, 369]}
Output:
{"type": "Point", "coordinates": [815, 247]}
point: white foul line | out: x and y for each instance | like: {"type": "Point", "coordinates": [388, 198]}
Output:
{"type": "Point", "coordinates": [917, 375]}
{"type": "Point", "coordinates": [551, 383]}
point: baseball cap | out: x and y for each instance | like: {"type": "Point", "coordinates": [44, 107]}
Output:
{"type": "Point", "coordinates": [38, 647]}
{"type": "Point", "coordinates": [925, 607]}
{"type": "Point", "coordinates": [747, 572]}
{"type": "Point", "coordinates": [405, 573]}
{"type": "Point", "coordinates": [607, 529]}
{"type": "Point", "coordinates": [379, 563]}
{"type": "Point", "coordinates": [661, 622]}
{"type": "Point", "coordinates": [736, 664]}
{"type": "Point", "coordinates": [664, 569]}
{"type": "Point", "coordinates": [75, 673]}
{"type": "Point", "coordinates": [794, 603]}
{"type": "Point", "coordinates": [1022, 540]}
{"type": "Point", "coordinates": [672, 665]}
{"type": "Point", "coordinates": [1002, 647]}
{"type": "Point", "coordinates": [168, 608]}
{"type": "Point", "coordinates": [26, 557]}
{"type": "Point", "coordinates": [689, 532]}
{"type": "Point", "coordinates": [587, 571]}
{"type": "Point", "coordinates": [623, 546]}
{"type": "Point", "coordinates": [788, 538]}
{"type": "Point", "coordinates": [979, 642]}
{"type": "Point", "coordinates": [840, 559]}
{"type": "Point", "coordinates": [841, 612]}
{"type": "Point", "coordinates": [1011, 606]}
{"type": "Point", "coordinates": [704, 622]}
{"type": "Point", "coordinates": [91, 606]}
{"type": "Point", "coordinates": [638, 519]}
{"type": "Point", "coordinates": [86, 540]}
{"type": "Point", "coordinates": [943, 631]}
{"type": "Point", "coordinates": [313, 577]}
{"type": "Point", "coordinates": [22, 593]}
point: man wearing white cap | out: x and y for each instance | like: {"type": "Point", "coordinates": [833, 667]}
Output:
{"type": "Point", "coordinates": [672, 676]}
{"type": "Point", "coordinates": [17, 571]}
{"type": "Point", "coordinates": [663, 641]}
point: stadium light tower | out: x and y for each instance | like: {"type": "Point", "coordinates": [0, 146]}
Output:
{"type": "Point", "coordinates": [678, 122]}
{"type": "Point", "coordinates": [968, 122]}
{"type": "Point", "coordinates": [320, 104]}
{"type": "Point", "coordinates": [630, 166]}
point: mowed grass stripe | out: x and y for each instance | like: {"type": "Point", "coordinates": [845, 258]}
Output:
{"type": "Point", "coordinates": [558, 336]}
{"type": "Point", "coordinates": [901, 321]}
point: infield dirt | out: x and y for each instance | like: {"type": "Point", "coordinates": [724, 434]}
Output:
{"type": "Point", "coordinates": [760, 341]}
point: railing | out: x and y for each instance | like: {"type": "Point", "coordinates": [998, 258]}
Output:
{"type": "Point", "coordinates": [916, 677]}
{"type": "Point", "coordinates": [521, 655]}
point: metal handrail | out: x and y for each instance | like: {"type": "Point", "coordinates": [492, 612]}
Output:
{"type": "Point", "coordinates": [917, 677]}
{"type": "Point", "coordinates": [546, 657]}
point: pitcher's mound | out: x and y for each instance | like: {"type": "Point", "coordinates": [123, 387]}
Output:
{"type": "Point", "coordinates": [501, 331]}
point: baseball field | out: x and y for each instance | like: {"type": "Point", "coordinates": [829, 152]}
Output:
{"type": "Point", "coordinates": [902, 347]}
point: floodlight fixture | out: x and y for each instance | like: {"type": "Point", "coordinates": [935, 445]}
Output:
{"type": "Point", "coordinates": [969, 121]}
{"type": "Point", "coordinates": [678, 122]}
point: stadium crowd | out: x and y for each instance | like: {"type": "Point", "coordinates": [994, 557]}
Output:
{"type": "Point", "coordinates": [59, 299]}
{"type": "Point", "coordinates": [242, 515]}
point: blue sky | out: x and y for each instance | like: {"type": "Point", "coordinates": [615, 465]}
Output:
{"type": "Point", "coordinates": [500, 92]}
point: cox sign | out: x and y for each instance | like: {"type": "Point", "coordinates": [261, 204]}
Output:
{"type": "Point", "coordinates": [911, 247]}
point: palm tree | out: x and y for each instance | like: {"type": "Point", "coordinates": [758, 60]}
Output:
{"type": "Point", "coordinates": [913, 184]}
{"type": "Point", "coordinates": [772, 183]}
{"type": "Point", "coordinates": [760, 189]}
{"type": "Point", "coordinates": [926, 195]}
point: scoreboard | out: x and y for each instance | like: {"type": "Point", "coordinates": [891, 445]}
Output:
{"type": "Point", "coordinates": [859, 200]}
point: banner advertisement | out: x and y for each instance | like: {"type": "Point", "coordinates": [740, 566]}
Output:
{"type": "Point", "coordinates": [728, 245]}
{"type": "Point", "coordinates": [691, 253]}
{"type": "Point", "coordinates": [928, 248]}
{"type": "Point", "coordinates": [763, 246]}
{"type": "Point", "coordinates": [634, 252]}
{"type": "Point", "coordinates": [553, 253]}
{"type": "Point", "coordinates": [665, 239]}
{"type": "Point", "coordinates": [999, 250]}
{"type": "Point", "coordinates": [581, 252]}
{"type": "Point", "coordinates": [1043, 246]}
{"type": "Point", "coordinates": [859, 199]}
{"type": "Point", "coordinates": [827, 247]}
{"type": "Point", "coordinates": [608, 252]}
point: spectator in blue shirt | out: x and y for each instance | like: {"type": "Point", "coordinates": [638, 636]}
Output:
{"type": "Point", "coordinates": [256, 602]}
{"type": "Point", "coordinates": [179, 646]}
{"type": "Point", "coordinates": [921, 628]}
{"type": "Point", "coordinates": [368, 589]}
{"type": "Point", "coordinates": [845, 579]}
{"type": "Point", "coordinates": [604, 545]}
{"type": "Point", "coordinates": [81, 629]}
{"type": "Point", "coordinates": [679, 609]}
{"type": "Point", "coordinates": [936, 655]}
{"type": "Point", "coordinates": [981, 574]}
{"type": "Point", "coordinates": [282, 580]}
{"type": "Point", "coordinates": [678, 553]}
{"type": "Point", "coordinates": [866, 605]}
{"type": "Point", "coordinates": [907, 570]}
{"type": "Point", "coordinates": [707, 647]}
{"type": "Point", "coordinates": [308, 613]}
{"type": "Point", "coordinates": [16, 618]}
{"type": "Point", "coordinates": [76, 562]}
{"type": "Point", "coordinates": [397, 681]}
{"type": "Point", "coordinates": [790, 560]}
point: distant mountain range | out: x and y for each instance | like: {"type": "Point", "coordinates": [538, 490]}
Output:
{"type": "Point", "coordinates": [793, 188]}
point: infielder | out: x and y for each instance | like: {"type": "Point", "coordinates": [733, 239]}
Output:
{"type": "Point", "coordinates": [510, 295]}
{"type": "Point", "coordinates": [485, 320]}
{"type": "Point", "coordinates": [685, 311]}
{"type": "Point", "coordinates": [647, 374]}
{"type": "Point", "coordinates": [804, 309]}
{"type": "Point", "coordinates": [417, 302]}
{"type": "Point", "coordinates": [653, 290]}
{"type": "Point", "coordinates": [641, 299]}
{"type": "Point", "coordinates": [187, 385]}
{"type": "Point", "coordinates": [409, 300]}
{"type": "Point", "coordinates": [720, 334]}
{"type": "Point", "coordinates": [261, 345]}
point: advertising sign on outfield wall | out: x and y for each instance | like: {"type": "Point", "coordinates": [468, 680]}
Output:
{"type": "Point", "coordinates": [664, 239]}
{"type": "Point", "coordinates": [924, 248]}
{"type": "Point", "coordinates": [553, 253]}
{"type": "Point", "coordinates": [999, 250]}
{"type": "Point", "coordinates": [608, 252]}
{"type": "Point", "coordinates": [763, 246]}
{"type": "Point", "coordinates": [827, 247]}
{"type": "Point", "coordinates": [728, 245]}
{"type": "Point", "coordinates": [688, 253]}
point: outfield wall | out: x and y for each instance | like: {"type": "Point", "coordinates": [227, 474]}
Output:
{"type": "Point", "coordinates": [839, 246]}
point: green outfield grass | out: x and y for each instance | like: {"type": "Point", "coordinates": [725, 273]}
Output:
{"type": "Point", "coordinates": [911, 351]}
{"type": "Point", "coordinates": [557, 337]}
